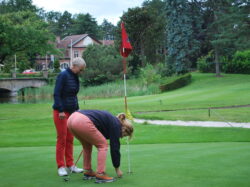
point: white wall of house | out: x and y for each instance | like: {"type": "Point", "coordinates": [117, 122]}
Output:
{"type": "Point", "coordinates": [87, 41]}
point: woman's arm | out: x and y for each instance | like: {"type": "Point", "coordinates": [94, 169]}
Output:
{"type": "Point", "coordinates": [58, 92]}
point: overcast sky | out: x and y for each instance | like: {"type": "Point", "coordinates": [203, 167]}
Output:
{"type": "Point", "coordinates": [112, 10]}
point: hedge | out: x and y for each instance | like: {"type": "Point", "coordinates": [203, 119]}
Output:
{"type": "Point", "coordinates": [176, 83]}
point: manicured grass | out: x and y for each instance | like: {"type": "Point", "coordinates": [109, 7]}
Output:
{"type": "Point", "coordinates": [205, 91]}
{"type": "Point", "coordinates": [39, 130]}
{"type": "Point", "coordinates": [32, 125]}
{"type": "Point", "coordinates": [226, 115]}
{"type": "Point", "coordinates": [184, 164]}
{"type": "Point", "coordinates": [161, 155]}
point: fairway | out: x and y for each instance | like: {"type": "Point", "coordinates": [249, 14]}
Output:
{"type": "Point", "coordinates": [184, 164]}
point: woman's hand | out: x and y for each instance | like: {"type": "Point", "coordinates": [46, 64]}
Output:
{"type": "Point", "coordinates": [118, 172]}
{"type": "Point", "coordinates": [62, 115]}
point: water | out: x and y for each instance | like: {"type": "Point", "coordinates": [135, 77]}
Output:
{"type": "Point", "coordinates": [28, 95]}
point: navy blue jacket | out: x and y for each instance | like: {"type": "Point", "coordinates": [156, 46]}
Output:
{"type": "Point", "coordinates": [110, 127]}
{"type": "Point", "coordinates": [65, 92]}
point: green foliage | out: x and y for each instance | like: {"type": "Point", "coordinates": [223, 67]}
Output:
{"type": "Point", "coordinates": [8, 6]}
{"type": "Point", "coordinates": [65, 24]}
{"type": "Point", "coordinates": [146, 30]}
{"type": "Point", "coordinates": [205, 64]}
{"type": "Point", "coordinates": [24, 33]}
{"type": "Point", "coordinates": [104, 64]}
{"type": "Point", "coordinates": [176, 82]}
{"type": "Point", "coordinates": [149, 75]}
{"type": "Point", "coordinates": [107, 30]}
{"type": "Point", "coordinates": [85, 23]}
{"type": "Point", "coordinates": [182, 28]}
{"type": "Point", "coordinates": [57, 66]}
{"type": "Point", "coordinates": [239, 64]}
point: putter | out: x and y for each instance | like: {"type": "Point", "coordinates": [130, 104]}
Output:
{"type": "Point", "coordinates": [67, 177]}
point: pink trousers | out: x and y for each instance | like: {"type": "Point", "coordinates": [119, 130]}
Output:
{"type": "Point", "coordinates": [86, 132]}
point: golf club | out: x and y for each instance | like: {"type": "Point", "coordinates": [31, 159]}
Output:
{"type": "Point", "coordinates": [67, 177]}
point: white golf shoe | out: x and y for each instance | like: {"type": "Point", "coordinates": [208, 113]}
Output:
{"type": "Point", "coordinates": [62, 171]}
{"type": "Point", "coordinates": [75, 169]}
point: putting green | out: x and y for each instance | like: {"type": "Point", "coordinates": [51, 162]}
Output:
{"type": "Point", "coordinates": [182, 164]}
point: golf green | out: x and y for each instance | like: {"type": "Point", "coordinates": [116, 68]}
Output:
{"type": "Point", "coordinates": [180, 164]}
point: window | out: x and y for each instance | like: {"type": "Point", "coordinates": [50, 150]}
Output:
{"type": "Point", "coordinates": [76, 54]}
{"type": "Point", "coordinates": [64, 66]}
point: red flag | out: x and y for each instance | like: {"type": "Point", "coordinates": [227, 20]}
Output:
{"type": "Point", "coordinates": [126, 47]}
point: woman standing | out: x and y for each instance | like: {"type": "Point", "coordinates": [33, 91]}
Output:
{"type": "Point", "coordinates": [65, 103]}
{"type": "Point", "coordinates": [94, 127]}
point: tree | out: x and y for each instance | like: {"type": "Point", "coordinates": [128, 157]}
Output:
{"type": "Point", "coordinates": [107, 30]}
{"type": "Point", "coordinates": [146, 27]}
{"type": "Point", "coordinates": [52, 18]}
{"type": "Point", "coordinates": [104, 64]}
{"type": "Point", "coordinates": [57, 66]}
{"type": "Point", "coordinates": [181, 40]}
{"type": "Point", "coordinates": [65, 24]}
{"type": "Point", "coordinates": [85, 23]}
{"type": "Point", "coordinates": [24, 32]}
{"type": "Point", "coordinates": [227, 28]}
{"type": "Point", "coordinates": [8, 6]}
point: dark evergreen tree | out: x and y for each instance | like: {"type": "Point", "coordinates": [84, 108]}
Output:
{"type": "Point", "coordinates": [107, 30]}
{"type": "Point", "coordinates": [65, 24]}
{"type": "Point", "coordinates": [85, 24]}
{"type": "Point", "coordinates": [182, 41]}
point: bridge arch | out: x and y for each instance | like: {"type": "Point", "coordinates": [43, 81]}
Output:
{"type": "Point", "coordinates": [13, 85]}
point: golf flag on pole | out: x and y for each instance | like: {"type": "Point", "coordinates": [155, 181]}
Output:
{"type": "Point", "coordinates": [125, 50]}
{"type": "Point", "coordinates": [126, 47]}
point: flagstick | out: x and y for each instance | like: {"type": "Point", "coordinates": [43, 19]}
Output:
{"type": "Point", "coordinates": [125, 85]}
{"type": "Point", "coordinates": [129, 165]}
{"type": "Point", "coordinates": [126, 109]}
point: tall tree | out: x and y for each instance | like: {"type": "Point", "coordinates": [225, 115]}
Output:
{"type": "Point", "coordinates": [52, 18]}
{"type": "Point", "coordinates": [85, 24]}
{"type": "Point", "coordinates": [65, 23]}
{"type": "Point", "coordinates": [107, 30]}
{"type": "Point", "coordinates": [228, 28]}
{"type": "Point", "coordinates": [217, 10]}
{"type": "Point", "coordinates": [182, 43]}
{"type": "Point", "coordinates": [24, 32]}
{"type": "Point", "coordinates": [7, 6]}
{"type": "Point", "coordinates": [146, 27]}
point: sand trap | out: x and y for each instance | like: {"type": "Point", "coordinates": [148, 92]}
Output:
{"type": "Point", "coordinates": [194, 123]}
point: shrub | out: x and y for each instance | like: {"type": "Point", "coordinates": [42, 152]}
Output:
{"type": "Point", "coordinates": [205, 64]}
{"type": "Point", "coordinates": [176, 82]}
{"type": "Point", "coordinates": [149, 74]}
{"type": "Point", "coordinates": [104, 64]}
{"type": "Point", "coordinates": [239, 64]}
{"type": "Point", "coordinates": [57, 66]}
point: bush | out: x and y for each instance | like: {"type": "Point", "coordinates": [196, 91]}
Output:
{"type": "Point", "coordinates": [149, 74]}
{"type": "Point", "coordinates": [205, 64]}
{"type": "Point", "coordinates": [176, 82]}
{"type": "Point", "coordinates": [104, 64]}
{"type": "Point", "coordinates": [239, 64]}
{"type": "Point", "coordinates": [57, 66]}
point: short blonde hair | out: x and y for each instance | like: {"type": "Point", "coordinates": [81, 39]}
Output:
{"type": "Point", "coordinates": [127, 127]}
{"type": "Point", "coordinates": [78, 62]}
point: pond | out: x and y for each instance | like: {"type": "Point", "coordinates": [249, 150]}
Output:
{"type": "Point", "coordinates": [29, 95]}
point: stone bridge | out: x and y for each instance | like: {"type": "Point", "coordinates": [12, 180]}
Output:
{"type": "Point", "coordinates": [11, 86]}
